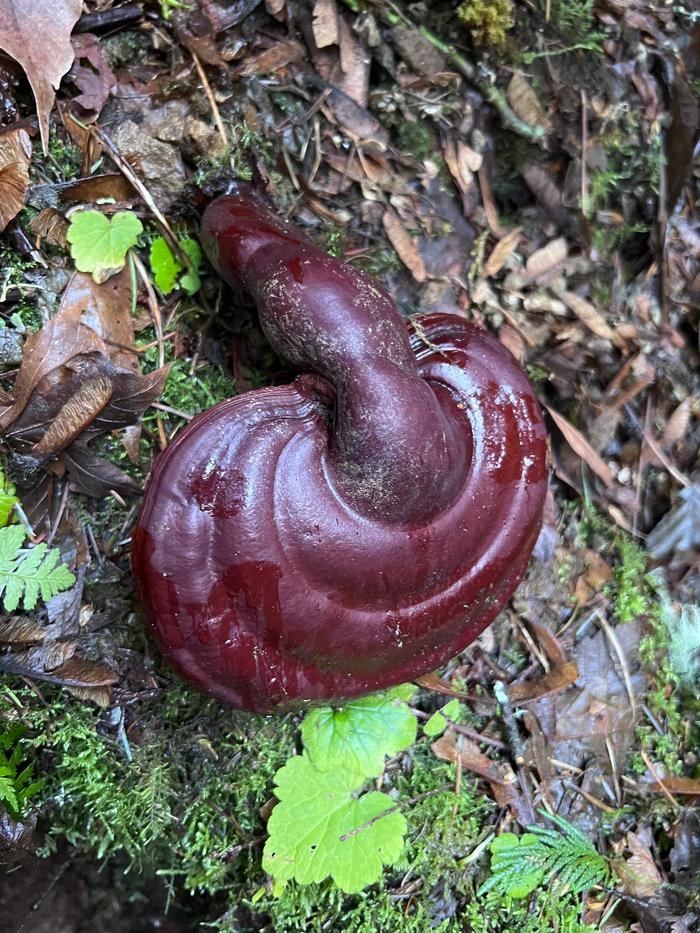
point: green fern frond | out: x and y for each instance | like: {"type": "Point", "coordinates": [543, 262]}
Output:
{"type": "Point", "coordinates": [27, 573]}
{"type": "Point", "coordinates": [563, 856]}
{"type": "Point", "coordinates": [17, 783]}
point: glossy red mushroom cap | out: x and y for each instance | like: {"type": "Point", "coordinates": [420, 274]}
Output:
{"type": "Point", "coordinates": [354, 530]}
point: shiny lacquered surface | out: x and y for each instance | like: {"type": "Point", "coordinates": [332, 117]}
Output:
{"type": "Point", "coordinates": [354, 530]}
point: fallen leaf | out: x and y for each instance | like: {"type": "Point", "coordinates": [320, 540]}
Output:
{"type": "Point", "coordinates": [639, 875]}
{"type": "Point", "coordinates": [15, 153]}
{"type": "Point", "coordinates": [501, 252]}
{"type": "Point", "coordinates": [499, 775]}
{"type": "Point", "coordinates": [273, 59]}
{"type": "Point", "coordinates": [526, 103]}
{"type": "Point", "coordinates": [546, 258]}
{"type": "Point", "coordinates": [580, 445]}
{"type": "Point", "coordinates": [94, 476]}
{"type": "Point", "coordinates": [559, 678]}
{"type": "Point", "coordinates": [50, 225]}
{"type": "Point", "coordinates": [324, 23]}
{"type": "Point", "coordinates": [73, 418]}
{"type": "Point", "coordinates": [404, 245]}
{"type": "Point", "coordinates": [591, 317]}
{"type": "Point", "coordinates": [37, 36]}
{"type": "Point", "coordinates": [21, 630]}
{"type": "Point", "coordinates": [95, 79]}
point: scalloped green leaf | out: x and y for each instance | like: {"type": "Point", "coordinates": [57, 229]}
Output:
{"type": "Point", "coordinates": [359, 735]}
{"type": "Point", "coordinates": [320, 829]}
{"type": "Point", "coordinates": [99, 245]}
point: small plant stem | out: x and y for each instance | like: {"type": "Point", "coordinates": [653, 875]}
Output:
{"type": "Point", "coordinates": [395, 17]}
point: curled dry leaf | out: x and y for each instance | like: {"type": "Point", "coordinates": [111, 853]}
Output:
{"type": "Point", "coordinates": [277, 56]}
{"type": "Point", "coordinates": [95, 78]}
{"type": "Point", "coordinates": [501, 252]}
{"type": "Point", "coordinates": [559, 678]}
{"type": "Point", "coordinates": [589, 315]}
{"type": "Point", "coordinates": [74, 417]}
{"type": "Point", "coordinates": [546, 258]}
{"type": "Point", "coordinates": [581, 446]}
{"type": "Point", "coordinates": [526, 103]}
{"type": "Point", "coordinates": [404, 245]}
{"type": "Point", "coordinates": [499, 775]}
{"type": "Point", "coordinates": [15, 153]}
{"type": "Point", "coordinates": [80, 377]}
{"type": "Point", "coordinates": [50, 225]}
{"type": "Point", "coordinates": [21, 630]}
{"type": "Point", "coordinates": [37, 36]}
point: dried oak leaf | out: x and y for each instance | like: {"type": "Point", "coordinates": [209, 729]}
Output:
{"type": "Point", "coordinates": [95, 79]}
{"type": "Point", "coordinates": [37, 36]}
{"type": "Point", "coordinates": [15, 153]}
{"type": "Point", "coordinates": [79, 378]}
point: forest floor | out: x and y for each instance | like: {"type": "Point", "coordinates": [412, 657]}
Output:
{"type": "Point", "coordinates": [530, 165]}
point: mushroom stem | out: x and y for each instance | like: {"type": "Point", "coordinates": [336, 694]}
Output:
{"type": "Point", "coordinates": [396, 451]}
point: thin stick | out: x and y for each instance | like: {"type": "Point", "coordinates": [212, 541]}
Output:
{"type": "Point", "coordinates": [212, 102]}
{"type": "Point", "coordinates": [655, 774]}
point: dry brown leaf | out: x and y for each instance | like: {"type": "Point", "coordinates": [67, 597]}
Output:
{"type": "Point", "coordinates": [78, 412]}
{"type": "Point", "coordinates": [354, 64]}
{"type": "Point", "coordinates": [580, 445]}
{"type": "Point", "coordinates": [501, 252]}
{"type": "Point", "coordinates": [512, 341]}
{"type": "Point", "coordinates": [15, 153]}
{"type": "Point", "coordinates": [559, 678]}
{"type": "Point", "coordinates": [95, 79]}
{"type": "Point", "coordinates": [436, 683]}
{"type": "Point", "coordinates": [404, 245]}
{"type": "Point", "coordinates": [325, 23]}
{"type": "Point", "coordinates": [272, 59]}
{"type": "Point", "coordinates": [677, 425]}
{"type": "Point", "coordinates": [500, 776]}
{"type": "Point", "coordinates": [50, 225]}
{"type": "Point", "coordinates": [21, 630]}
{"type": "Point", "coordinates": [37, 35]}
{"type": "Point", "coordinates": [546, 258]}
{"type": "Point", "coordinates": [589, 315]}
{"type": "Point", "coordinates": [639, 875]}
{"type": "Point", "coordinates": [526, 103]}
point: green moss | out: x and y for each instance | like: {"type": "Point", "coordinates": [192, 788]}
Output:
{"type": "Point", "coordinates": [488, 21]}
{"type": "Point", "coordinates": [546, 914]}
{"type": "Point", "coordinates": [632, 597]}
{"type": "Point", "coordinates": [417, 139]}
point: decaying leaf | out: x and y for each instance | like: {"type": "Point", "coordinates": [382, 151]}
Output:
{"type": "Point", "coordinates": [37, 35]}
{"type": "Point", "coordinates": [95, 78]}
{"type": "Point", "coordinates": [73, 418]}
{"type": "Point", "coordinates": [501, 252]}
{"type": "Point", "coordinates": [80, 377]}
{"type": "Point", "coordinates": [15, 153]}
{"type": "Point", "coordinates": [591, 317]}
{"type": "Point", "coordinates": [546, 258]}
{"type": "Point", "coordinates": [581, 446]}
{"type": "Point", "coordinates": [526, 103]}
{"type": "Point", "coordinates": [50, 225]}
{"type": "Point", "coordinates": [499, 775]}
{"type": "Point", "coordinates": [405, 246]}
{"type": "Point", "coordinates": [325, 23]}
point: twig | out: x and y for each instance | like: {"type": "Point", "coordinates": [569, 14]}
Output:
{"type": "Point", "coordinates": [93, 22]}
{"type": "Point", "coordinates": [212, 101]}
{"type": "Point", "coordinates": [655, 774]}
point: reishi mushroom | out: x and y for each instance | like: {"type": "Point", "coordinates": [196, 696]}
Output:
{"type": "Point", "coordinates": [321, 540]}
